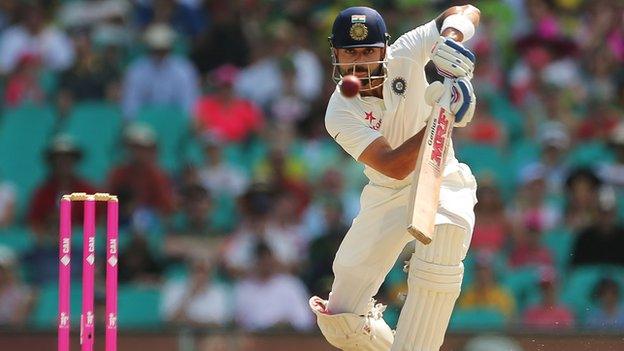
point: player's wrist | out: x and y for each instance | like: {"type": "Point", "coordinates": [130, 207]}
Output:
{"type": "Point", "coordinates": [460, 23]}
{"type": "Point", "coordinates": [453, 33]}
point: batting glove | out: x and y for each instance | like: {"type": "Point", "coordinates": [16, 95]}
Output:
{"type": "Point", "coordinates": [452, 59]}
{"type": "Point", "coordinates": [463, 99]}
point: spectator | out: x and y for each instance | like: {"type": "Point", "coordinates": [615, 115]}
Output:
{"type": "Point", "coordinates": [600, 122]}
{"type": "Point", "coordinates": [185, 17]}
{"type": "Point", "coordinates": [318, 150]}
{"type": "Point", "coordinates": [91, 76]}
{"type": "Point", "coordinates": [92, 14]}
{"type": "Point", "coordinates": [62, 157]}
{"type": "Point", "coordinates": [602, 241]}
{"type": "Point", "coordinates": [549, 313]}
{"type": "Point", "coordinates": [199, 300]}
{"type": "Point", "coordinates": [486, 292]}
{"type": "Point", "coordinates": [255, 207]}
{"type": "Point", "coordinates": [16, 298]}
{"type": "Point", "coordinates": [139, 180]}
{"type": "Point", "coordinates": [23, 85]}
{"type": "Point", "coordinates": [329, 188]}
{"type": "Point", "coordinates": [193, 232]}
{"type": "Point", "coordinates": [282, 170]}
{"type": "Point", "coordinates": [319, 275]}
{"type": "Point", "coordinates": [8, 12]}
{"type": "Point", "coordinates": [225, 115]}
{"type": "Point", "coordinates": [220, 177]}
{"type": "Point", "coordinates": [486, 129]}
{"type": "Point", "coordinates": [489, 75]}
{"type": "Point", "coordinates": [137, 264]}
{"type": "Point", "coordinates": [285, 42]}
{"type": "Point", "coordinates": [8, 201]}
{"type": "Point", "coordinates": [609, 312]}
{"type": "Point", "coordinates": [143, 82]}
{"type": "Point", "coordinates": [41, 258]}
{"type": "Point", "coordinates": [289, 107]}
{"type": "Point", "coordinates": [492, 226]}
{"type": "Point", "coordinates": [613, 173]}
{"type": "Point", "coordinates": [285, 224]}
{"type": "Point", "coordinates": [582, 201]}
{"type": "Point", "coordinates": [268, 299]}
{"type": "Point", "coordinates": [224, 41]}
{"type": "Point", "coordinates": [555, 142]}
{"type": "Point", "coordinates": [528, 251]}
{"type": "Point", "coordinates": [532, 207]}
{"type": "Point", "coordinates": [545, 59]}
{"type": "Point", "coordinates": [32, 35]}
{"type": "Point", "coordinates": [194, 219]}
{"type": "Point", "coordinates": [265, 219]}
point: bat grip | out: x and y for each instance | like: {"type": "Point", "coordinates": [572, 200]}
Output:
{"type": "Point", "coordinates": [445, 100]}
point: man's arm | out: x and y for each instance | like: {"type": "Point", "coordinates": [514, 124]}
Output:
{"type": "Point", "coordinates": [395, 163]}
{"type": "Point", "coordinates": [400, 162]}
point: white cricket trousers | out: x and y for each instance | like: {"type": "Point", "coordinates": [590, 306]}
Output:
{"type": "Point", "coordinates": [379, 233]}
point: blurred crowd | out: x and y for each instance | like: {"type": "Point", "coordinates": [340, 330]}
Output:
{"type": "Point", "coordinates": [241, 233]}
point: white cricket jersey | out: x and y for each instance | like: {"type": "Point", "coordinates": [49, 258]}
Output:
{"type": "Point", "coordinates": [356, 122]}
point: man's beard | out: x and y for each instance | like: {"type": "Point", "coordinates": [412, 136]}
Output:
{"type": "Point", "coordinates": [366, 81]}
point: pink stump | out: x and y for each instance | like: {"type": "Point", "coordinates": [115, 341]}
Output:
{"type": "Point", "coordinates": [64, 274]}
{"type": "Point", "coordinates": [111, 274]}
{"type": "Point", "coordinates": [87, 319]}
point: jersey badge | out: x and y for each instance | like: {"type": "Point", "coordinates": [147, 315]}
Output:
{"type": "Point", "coordinates": [399, 85]}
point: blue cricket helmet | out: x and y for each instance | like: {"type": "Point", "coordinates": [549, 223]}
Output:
{"type": "Point", "coordinates": [359, 27]}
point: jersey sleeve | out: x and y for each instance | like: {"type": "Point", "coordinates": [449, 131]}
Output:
{"type": "Point", "coordinates": [351, 132]}
{"type": "Point", "coordinates": [418, 42]}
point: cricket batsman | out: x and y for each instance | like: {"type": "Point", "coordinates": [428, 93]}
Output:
{"type": "Point", "coordinates": [382, 127]}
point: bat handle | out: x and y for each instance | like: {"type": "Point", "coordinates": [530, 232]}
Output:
{"type": "Point", "coordinates": [447, 96]}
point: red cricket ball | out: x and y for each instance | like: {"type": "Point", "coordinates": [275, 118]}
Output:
{"type": "Point", "coordinates": [350, 86]}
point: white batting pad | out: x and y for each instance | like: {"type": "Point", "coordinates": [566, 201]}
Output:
{"type": "Point", "coordinates": [352, 332]}
{"type": "Point", "coordinates": [435, 275]}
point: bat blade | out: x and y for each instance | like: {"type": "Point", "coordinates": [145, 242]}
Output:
{"type": "Point", "coordinates": [425, 190]}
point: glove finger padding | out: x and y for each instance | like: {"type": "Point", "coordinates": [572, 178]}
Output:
{"type": "Point", "coordinates": [433, 93]}
{"type": "Point", "coordinates": [452, 59]}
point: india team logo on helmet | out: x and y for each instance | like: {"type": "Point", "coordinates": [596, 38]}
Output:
{"type": "Point", "coordinates": [358, 31]}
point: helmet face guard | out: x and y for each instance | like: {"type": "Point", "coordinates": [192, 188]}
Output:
{"type": "Point", "coordinates": [359, 27]}
{"type": "Point", "coordinates": [380, 74]}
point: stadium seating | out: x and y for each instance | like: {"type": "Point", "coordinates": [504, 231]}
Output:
{"type": "Point", "coordinates": [96, 127]}
{"type": "Point", "coordinates": [172, 127]}
{"type": "Point", "coordinates": [579, 287]}
{"type": "Point", "coordinates": [488, 161]}
{"type": "Point", "coordinates": [559, 242]}
{"type": "Point", "coordinates": [138, 306]}
{"type": "Point", "coordinates": [46, 307]}
{"type": "Point", "coordinates": [24, 134]}
{"type": "Point", "coordinates": [476, 319]}
{"type": "Point", "coordinates": [17, 238]}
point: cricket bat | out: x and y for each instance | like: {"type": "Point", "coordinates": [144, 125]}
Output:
{"type": "Point", "coordinates": [425, 191]}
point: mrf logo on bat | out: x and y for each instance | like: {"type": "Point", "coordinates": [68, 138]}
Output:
{"type": "Point", "coordinates": [437, 139]}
